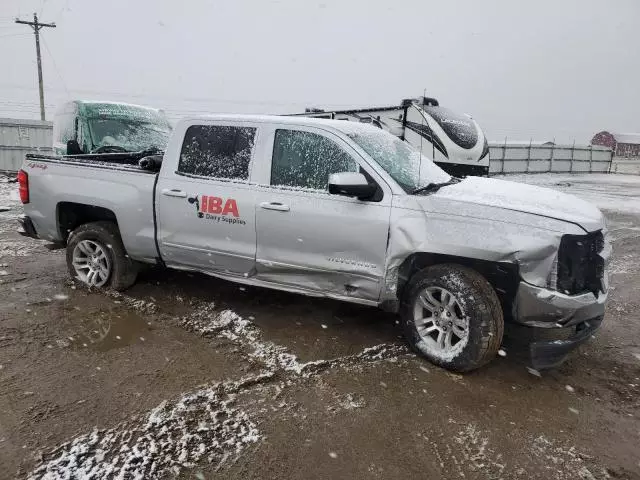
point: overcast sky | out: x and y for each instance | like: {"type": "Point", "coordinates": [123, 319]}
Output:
{"type": "Point", "coordinates": [541, 69]}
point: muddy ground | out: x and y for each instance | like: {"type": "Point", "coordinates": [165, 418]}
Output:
{"type": "Point", "coordinates": [192, 377]}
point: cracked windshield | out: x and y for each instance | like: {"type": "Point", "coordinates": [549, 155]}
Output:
{"type": "Point", "coordinates": [248, 240]}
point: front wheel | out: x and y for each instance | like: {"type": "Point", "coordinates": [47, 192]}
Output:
{"type": "Point", "coordinates": [97, 258]}
{"type": "Point", "coordinates": [452, 316]}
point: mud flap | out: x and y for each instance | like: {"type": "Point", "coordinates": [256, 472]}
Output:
{"type": "Point", "coordinates": [28, 229]}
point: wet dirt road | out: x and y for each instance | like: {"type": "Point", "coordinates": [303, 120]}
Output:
{"type": "Point", "coordinates": [193, 377]}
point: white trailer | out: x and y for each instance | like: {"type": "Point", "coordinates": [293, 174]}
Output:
{"type": "Point", "coordinates": [455, 142]}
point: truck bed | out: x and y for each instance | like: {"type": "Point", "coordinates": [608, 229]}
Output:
{"type": "Point", "coordinates": [61, 188]}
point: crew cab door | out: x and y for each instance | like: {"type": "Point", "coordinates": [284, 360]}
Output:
{"type": "Point", "coordinates": [309, 239]}
{"type": "Point", "coordinates": [205, 206]}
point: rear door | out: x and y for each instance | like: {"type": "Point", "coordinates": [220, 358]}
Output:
{"type": "Point", "coordinates": [309, 239]}
{"type": "Point", "coordinates": [206, 207]}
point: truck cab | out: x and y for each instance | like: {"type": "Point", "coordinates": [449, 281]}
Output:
{"type": "Point", "coordinates": [85, 127]}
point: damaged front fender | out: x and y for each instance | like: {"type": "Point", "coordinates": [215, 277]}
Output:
{"type": "Point", "coordinates": [445, 227]}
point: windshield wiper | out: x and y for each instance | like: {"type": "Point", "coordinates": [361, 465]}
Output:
{"type": "Point", "coordinates": [434, 187]}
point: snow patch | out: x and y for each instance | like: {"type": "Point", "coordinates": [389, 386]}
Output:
{"type": "Point", "coordinates": [349, 402]}
{"type": "Point", "coordinates": [203, 425]}
{"type": "Point", "coordinates": [534, 372]}
{"type": "Point", "coordinates": [607, 191]}
{"type": "Point", "coordinates": [207, 321]}
{"type": "Point", "coordinates": [565, 462]}
{"type": "Point", "coordinates": [141, 306]}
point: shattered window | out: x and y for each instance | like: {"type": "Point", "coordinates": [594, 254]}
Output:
{"type": "Point", "coordinates": [129, 135]}
{"type": "Point", "coordinates": [401, 161]}
{"type": "Point", "coordinates": [218, 151]}
{"type": "Point", "coordinates": [305, 160]}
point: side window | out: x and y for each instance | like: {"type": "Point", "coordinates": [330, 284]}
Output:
{"type": "Point", "coordinates": [66, 128]}
{"type": "Point", "coordinates": [218, 151]}
{"type": "Point", "coordinates": [305, 159]}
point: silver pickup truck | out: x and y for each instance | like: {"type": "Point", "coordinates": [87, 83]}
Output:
{"type": "Point", "coordinates": [341, 210]}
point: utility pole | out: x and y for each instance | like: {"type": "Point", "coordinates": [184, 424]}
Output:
{"type": "Point", "coordinates": [36, 30]}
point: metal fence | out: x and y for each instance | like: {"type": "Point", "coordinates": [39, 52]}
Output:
{"type": "Point", "coordinates": [548, 157]}
{"type": "Point", "coordinates": [625, 165]}
{"type": "Point", "coordinates": [19, 137]}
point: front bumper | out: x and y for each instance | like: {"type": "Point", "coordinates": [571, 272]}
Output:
{"type": "Point", "coordinates": [28, 229]}
{"type": "Point", "coordinates": [544, 308]}
{"type": "Point", "coordinates": [565, 321]}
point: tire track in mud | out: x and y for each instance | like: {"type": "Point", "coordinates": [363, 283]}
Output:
{"type": "Point", "coordinates": [208, 322]}
{"type": "Point", "coordinates": [207, 424]}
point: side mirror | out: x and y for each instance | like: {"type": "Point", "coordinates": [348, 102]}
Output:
{"type": "Point", "coordinates": [351, 184]}
{"type": "Point", "coordinates": [73, 148]}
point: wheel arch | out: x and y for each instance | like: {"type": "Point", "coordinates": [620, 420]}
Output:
{"type": "Point", "coordinates": [70, 215]}
{"type": "Point", "coordinates": [502, 276]}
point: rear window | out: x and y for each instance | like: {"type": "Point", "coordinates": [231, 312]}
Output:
{"type": "Point", "coordinates": [217, 151]}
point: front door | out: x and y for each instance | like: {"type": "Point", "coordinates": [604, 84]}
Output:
{"type": "Point", "coordinates": [309, 239]}
{"type": "Point", "coordinates": [206, 208]}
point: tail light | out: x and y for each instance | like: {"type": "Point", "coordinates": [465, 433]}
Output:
{"type": "Point", "coordinates": [23, 186]}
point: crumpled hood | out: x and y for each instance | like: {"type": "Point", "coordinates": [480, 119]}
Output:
{"type": "Point", "coordinates": [524, 198]}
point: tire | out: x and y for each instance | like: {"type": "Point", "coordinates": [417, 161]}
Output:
{"type": "Point", "coordinates": [473, 320]}
{"type": "Point", "coordinates": [97, 247]}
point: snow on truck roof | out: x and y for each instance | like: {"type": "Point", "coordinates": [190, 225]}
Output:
{"type": "Point", "coordinates": [343, 126]}
{"type": "Point", "coordinates": [111, 103]}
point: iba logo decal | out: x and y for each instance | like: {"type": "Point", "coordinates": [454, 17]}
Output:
{"type": "Point", "coordinates": [217, 209]}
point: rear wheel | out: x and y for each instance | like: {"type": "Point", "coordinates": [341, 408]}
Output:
{"type": "Point", "coordinates": [97, 258]}
{"type": "Point", "coordinates": [452, 316]}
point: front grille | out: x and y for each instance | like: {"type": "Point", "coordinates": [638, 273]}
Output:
{"type": "Point", "coordinates": [580, 268]}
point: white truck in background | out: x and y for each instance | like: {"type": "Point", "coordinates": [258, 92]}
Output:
{"type": "Point", "coordinates": [87, 127]}
{"type": "Point", "coordinates": [454, 142]}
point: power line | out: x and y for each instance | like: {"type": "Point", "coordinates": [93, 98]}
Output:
{"type": "Point", "coordinates": [53, 60]}
{"type": "Point", "coordinates": [15, 35]}
{"type": "Point", "coordinates": [36, 30]}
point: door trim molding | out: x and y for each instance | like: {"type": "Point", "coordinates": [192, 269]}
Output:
{"type": "Point", "coordinates": [268, 263]}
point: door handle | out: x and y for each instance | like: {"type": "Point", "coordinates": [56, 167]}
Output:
{"type": "Point", "coordinates": [174, 193]}
{"type": "Point", "coordinates": [275, 206]}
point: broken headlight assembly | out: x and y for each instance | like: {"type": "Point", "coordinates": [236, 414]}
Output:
{"type": "Point", "coordinates": [578, 267]}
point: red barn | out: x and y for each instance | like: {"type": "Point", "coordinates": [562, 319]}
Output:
{"type": "Point", "coordinates": [623, 144]}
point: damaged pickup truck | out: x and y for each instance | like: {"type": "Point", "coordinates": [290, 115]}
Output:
{"type": "Point", "coordinates": [341, 210]}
